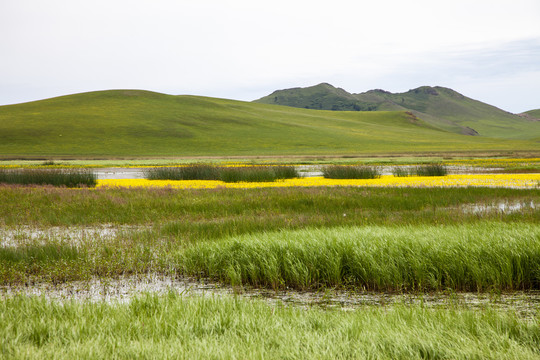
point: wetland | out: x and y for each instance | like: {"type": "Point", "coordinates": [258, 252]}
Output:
{"type": "Point", "coordinates": [370, 272]}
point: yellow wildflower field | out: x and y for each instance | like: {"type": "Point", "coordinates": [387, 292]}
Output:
{"type": "Point", "coordinates": [497, 162]}
{"type": "Point", "coordinates": [497, 180]}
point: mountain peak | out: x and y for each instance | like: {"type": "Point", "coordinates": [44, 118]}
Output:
{"type": "Point", "coordinates": [428, 90]}
{"type": "Point", "coordinates": [326, 85]}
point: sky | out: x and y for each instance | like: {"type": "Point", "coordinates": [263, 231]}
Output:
{"type": "Point", "coordinates": [488, 50]}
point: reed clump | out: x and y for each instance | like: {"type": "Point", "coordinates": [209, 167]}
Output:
{"type": "Point", "coordinates": [56, 177]}
{"type": "Point", "coordinates": [248, 174]}
{"type": "Point", "coordinates": [223, 173]}
{"type": "Point", "coordinates": [475, 257]}
{"type": "Point", "coordinates": [191, 172]}
{"type": "Point", "coordinates": [421, 170]}
{"type": "Point", "coordinates": [430, 170]}
{"type": "Point", "coordinates": [399, 171]}
{"type": "Point", "coordinates": [351, 172]}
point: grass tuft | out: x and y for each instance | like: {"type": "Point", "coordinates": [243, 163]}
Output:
{"type": "Point", "coordinates": [475, 257]}
{"type": "Point", "coordinates": [431, 170]}
{"type": "Point", "coordinates": [248, 174]}
{"type": "Point", "coordinates": [191, 172]}
{"type": "Point", "coordinates": [55, 177]}
{"type": "Point", "coordinates": [226, 174]}
{"type": "Point", "coordinates": [351, 172]}
{"type": "Point", "coordinates": [401, 171]}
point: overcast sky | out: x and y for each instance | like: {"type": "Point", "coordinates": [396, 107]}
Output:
{"type": "Point", "coordinates": [244, 49]}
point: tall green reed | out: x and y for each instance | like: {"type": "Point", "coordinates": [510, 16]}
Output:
{"type": "Point", "coordinates": [351, 172]}
{"type": "Point", "coordinates": [420, 170]}
{"type": "Point", "coordinates": [172, 325]}
{"type": "Point", "coordinates": [191, 172]}
{"type": "Point", "coordinates": [55, 177]}
{"type": "Point", "coordinates": [430, 170]}
{"type": "Point", "coordinates": [226, 174]}
{"type": "Point", "coordinates": [474, 257]}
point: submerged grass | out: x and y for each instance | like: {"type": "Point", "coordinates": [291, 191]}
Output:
{"type": "Point", "coordinates": [55, 177]}
{"type": "Point", "coordinates": [476, 257]}
{"type": "Point", "coordinates": [223, 173]}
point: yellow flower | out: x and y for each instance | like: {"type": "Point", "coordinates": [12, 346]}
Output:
{"type": "Point", "coordinates": [493, 180]}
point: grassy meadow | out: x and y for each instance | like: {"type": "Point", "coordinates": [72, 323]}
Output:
{"type": "Point", "coordinates": [132, 123]}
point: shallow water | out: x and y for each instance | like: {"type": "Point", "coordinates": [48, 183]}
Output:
{"type": "Point", "coordinates": [28, 235]}
{"type": "Point", "coordinates": [304, 170]}
{"type": "Point", "coordinates": [119, 173]}
{"type": "Point", "coordinates": [502, 207]}
{"type": "Point", "coordinates": [125, 288]}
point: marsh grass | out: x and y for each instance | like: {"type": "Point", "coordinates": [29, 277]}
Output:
{"type": "Point", "coordinates": [248, 174]}
{"type": "Point", "coordinates": [190, 172]}
{"type": "Point", "coordinates": [475, 257]}
{"type": "Point", "coordinates": [32, 254]}
{"type": "Point", "coordinates": [430, 170]}
{"type": "Point", "coordinates": [351, 172]}
{"type": "Point", "coordinates": [173, 326]}
{"type": "Point", "coordinates": [401, 171]}
{"type": "Point", "coordinates": [302, 206]}
{"type": "Point", "coordinates": [55, 177]}
{"type": "Point", "coordinates": [226, 174]}
{"type": "Point", "coordinates": [420, 170]}
{"type": "Point", "coordinates": [173, 220]}
{"type": "Point", "coordinates": [285, 172]}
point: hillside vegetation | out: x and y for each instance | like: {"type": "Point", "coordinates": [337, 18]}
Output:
{"type": "Point", "coordinates": [535, 114]}
{"type": "Point", "coordinates": [142, 123]}
{"type": "Point", "coordinates": [441, 107]}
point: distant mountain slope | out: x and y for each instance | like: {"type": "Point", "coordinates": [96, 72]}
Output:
{"type": "Point", "coordinates": [319, 97]}
{"type": "Point", "coordinates": [441, 107]}
{"type": "Point", "coordinates": [141, 123]}
{"type": "Point", "coordinates": [532, 114]}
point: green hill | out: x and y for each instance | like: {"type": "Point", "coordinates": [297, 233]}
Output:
{"type": "Point", "coordinates": [320, 97]}
{"type": "Point", "coordinates": [441, 107]}
{"type": "Point", "coordinates": [142, 123]}
{"type": "Point", "coordinates": [532, 114]}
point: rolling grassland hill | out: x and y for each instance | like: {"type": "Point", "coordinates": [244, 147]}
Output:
{"type": "Point", "coordinates": [135, 123]}
{"type": "Point", "coordinates": [532, 115]}
{"type": "Point", "coordinates": [440, 107]}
